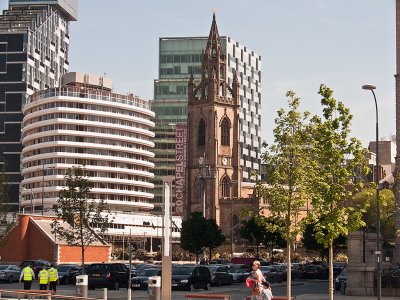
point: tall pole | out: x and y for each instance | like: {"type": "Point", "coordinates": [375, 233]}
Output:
{"type": "Point", "coordinates": [378, 207]}
{"type": "Point", "coordinates": [166, 251]}
{"type": "Point", "coordinates": [43, 190]}
{"type": "Point", "coordinates": [130, 267]}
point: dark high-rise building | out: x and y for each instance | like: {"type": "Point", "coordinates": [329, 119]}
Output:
{"type": "Point", "coordinates": [34, 45]}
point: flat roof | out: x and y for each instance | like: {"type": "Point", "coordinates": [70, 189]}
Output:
{"type": "Point", "coordinates": [68, 7]}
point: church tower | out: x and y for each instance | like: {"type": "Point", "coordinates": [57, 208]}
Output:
{"type": "Point", "coordinates": [213, 165]}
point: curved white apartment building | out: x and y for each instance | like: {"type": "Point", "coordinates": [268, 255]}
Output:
{"type": "Point", "coordinates": [83, 123]}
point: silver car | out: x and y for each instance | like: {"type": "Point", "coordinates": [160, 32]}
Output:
{"type": "Point", "coordinates": [9, 273]}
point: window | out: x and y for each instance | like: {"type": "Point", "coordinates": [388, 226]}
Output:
{"type": "Point", "coordinates": [225, 132]}
{"type": "Point", "coordinates": [226, 187]}
{"type": "Point", "coordinates": [201, 133]}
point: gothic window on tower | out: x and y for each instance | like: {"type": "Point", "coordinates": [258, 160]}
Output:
{"type": "Point", "coordinates": [201, 133]}
{"type": "Point", "coordinates": [226, 183]}
{"type": "Point", "coordinates": [225, 132]}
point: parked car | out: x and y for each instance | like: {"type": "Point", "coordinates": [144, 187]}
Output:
{"type": "Point", "coordinates": [273, 273]}
{"type": "Point", "coordinates": [133, 269]}
{"type": "Point", "coordinates": [314, 271]}
{"type": "Point", "coordinates": [76, 273]}
{"type": "Point", "coordinates": [220, 275]}
{"type": "Point", "coordinates": [109, 275]}
{"type": "Point", "coordinates": [238, 274]}
{"type": "Point", "coordinates": [9, 273]}
{"type": "Point", "coordinates": [65, 272]}
{"type": "Point", "coordinates": [340, 279]}
{"type": "Point", "coordinates": [191, 277]}
{"type": "Point", "coordinates": [140, 281]}
{"type": "Point", "coordinates": [37, 265]}
{"type": "Point", "coordinates": [391, 279]}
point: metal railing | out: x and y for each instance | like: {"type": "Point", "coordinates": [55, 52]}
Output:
{"type": "Point", "coordinates": [37, 294]}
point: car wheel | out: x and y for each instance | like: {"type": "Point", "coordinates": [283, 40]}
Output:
{"type": "Point", "coordinates": [191, 287]}
{"type": "Point", "coordinates": [230, 281]}
{"type": "Point", "coordinates": [10, 279]}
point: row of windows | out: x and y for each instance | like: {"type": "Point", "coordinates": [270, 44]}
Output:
{"type": "Point", "coordinates": [82, 128]}
{"type": "Point", "coordinates": [92, 140]}
{"type": "Point", "coordinates": [99, 152]}
{"type": "Point", "coordinates": [82, 117]}
{"type": "Point", "coordinates": [91, 107]}
{"type": "Point", "coordinates": [170, 110]}
{"type": "Point", "coordinates": [167, 90]}
{"type": "Point", "coordinates": [180, 58]}
{"type": "Point", "coordinates": [82, 162]}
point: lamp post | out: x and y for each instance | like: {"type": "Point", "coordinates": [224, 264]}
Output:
{"type": "Point", "coordinates": [371, 88]}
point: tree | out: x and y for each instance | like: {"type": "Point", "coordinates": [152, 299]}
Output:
{"type": "Point", "coordinates": [367, 198]}
{"type": "Point", "coordinates": [272, 236]}
{"type": "Point", "coordinates": [287, 162]}
{"type": "Point", "coordinates": [215, 238]}
{"type": "Point", "coordinates": [197, 233]}
{"type": "Point", "coordinates": [336, 158]}
{"type": "Point", "coordinates": [253, 230]}
{"type": "Point", "coordinates": [84, 218]}
{"type": "Point", "coordinates": [7, 218]}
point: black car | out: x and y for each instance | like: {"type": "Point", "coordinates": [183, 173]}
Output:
{"type": "Point", "coordinates": [273, 273]}
{"type": "Point", "coordinates": [220, 275]}
{"type": "Point", "coordinates": [109, 275]}
{"type": "Point", "coordinates": [314, 271]}
{"type": "Point", "coordinates": [140, 281]}
{"type": "Point", "coordinates": [191, 278]}
{"type": "Point", "coordinates": [37, 265]}
{"type": "Point", "coordinates": [65, 272]}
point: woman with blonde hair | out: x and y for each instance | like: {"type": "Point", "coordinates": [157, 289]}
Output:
{"type": "Point", "coordinates": [258, 291]}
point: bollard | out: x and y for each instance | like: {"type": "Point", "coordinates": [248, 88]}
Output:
{"type": "Point", "coordinates": [81, 286]}
{"type": "Point", "coordinates": [154, 288]}
{"type": "Point", "coordinates": [105, 293]}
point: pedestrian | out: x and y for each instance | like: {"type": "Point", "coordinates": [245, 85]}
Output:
{"type": "Point", "coordinates": [27, 275]}
{"type": "Point", "coordinates": [53, 278]}
{"type": "Point", "coordinates": [43, 279]}
{"type": "Point", "coordinates": [259, 292]}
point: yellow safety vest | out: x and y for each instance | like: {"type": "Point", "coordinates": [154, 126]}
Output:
{"type": "Point", "coordinates": [43, 277]}
{"type": "Point", "coordinates": [27, 274]}
{"type": "Point", "coordinates": [53, 274]}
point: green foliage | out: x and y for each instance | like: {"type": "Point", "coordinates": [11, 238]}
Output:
{"type": "Point", "coordinates": [367, 199]}
{"type": "Point", "coordinates": [84, 217]}
{"type": "Point", "coordinates": [336, 159]}
{"type": "Point", "coordinates": [7, 218]}
{"type": "Point", "coordinates": [287, 166]}
{"type": "Point", "coordinates": [198, 233]}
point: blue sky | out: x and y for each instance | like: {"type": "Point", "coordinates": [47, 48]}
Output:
{"type": "Point", "coordinates": [342, 43]}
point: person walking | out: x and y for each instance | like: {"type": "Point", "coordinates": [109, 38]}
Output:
{"type": "Point", "coordinates": [27, 275]}
{"type": "Point", "coordinates": [43, 279]}
{"type": "Point", "coordinates": [258, 291]}
{"type": "Point", "coordinates": [53, 276]}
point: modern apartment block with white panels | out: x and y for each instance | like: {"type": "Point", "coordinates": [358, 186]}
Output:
{"type": "Point", "coordinates": [83, 123]}
{"type": "Point", "coordinates": [34, 46]}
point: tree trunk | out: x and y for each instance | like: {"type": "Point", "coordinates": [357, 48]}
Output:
{"type": "Point", "coordinates": [289, 270]}
{"type": "Point", "coordinates": [83, 259]}
{"type": "Point", "coordinates": [330, 269]}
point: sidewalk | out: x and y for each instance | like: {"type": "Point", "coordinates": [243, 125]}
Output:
{"type": "Point", "coordinates": [340, 297]}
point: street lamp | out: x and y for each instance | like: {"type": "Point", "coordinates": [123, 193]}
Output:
{"type": "Point", "coordinates": [371, 88]}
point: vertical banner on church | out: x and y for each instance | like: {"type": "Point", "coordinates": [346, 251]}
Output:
{"type": "Point", "coordinates": [180, 167]}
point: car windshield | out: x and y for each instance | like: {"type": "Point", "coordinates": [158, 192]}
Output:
{"type": "Point", "coordinates": [266, 269]}
{"type": "Point", "coordinates": [3, 267]}
{"type": "Point", "coordinates": [64, 268]}
{"type": "Point", "coordinates": [149, 272]}
{"type": "Point", "coordinates": [97, 268]}
{"type": "Point", "coordinates": [182, 271]}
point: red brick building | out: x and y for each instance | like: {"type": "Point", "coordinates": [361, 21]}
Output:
{"type": "Point", "coordinates": [32, 238]}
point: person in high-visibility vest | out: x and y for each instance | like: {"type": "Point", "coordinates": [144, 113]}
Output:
{"type": "Point", "coordinates": [27, 275]}
{"type": "Point", "coordinates": [53, 278]}
{"type": "Point", "coordinates": [43, 279]}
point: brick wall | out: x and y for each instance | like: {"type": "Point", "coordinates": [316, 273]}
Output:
{"type": "Point", "coordinates": [92, 254]}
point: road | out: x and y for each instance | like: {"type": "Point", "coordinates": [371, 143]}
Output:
{"type": "Point", "coordinates": [236, 291]}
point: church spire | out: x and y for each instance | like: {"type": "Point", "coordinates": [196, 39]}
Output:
{"type": "Point", "coordinates": [213, 48]}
